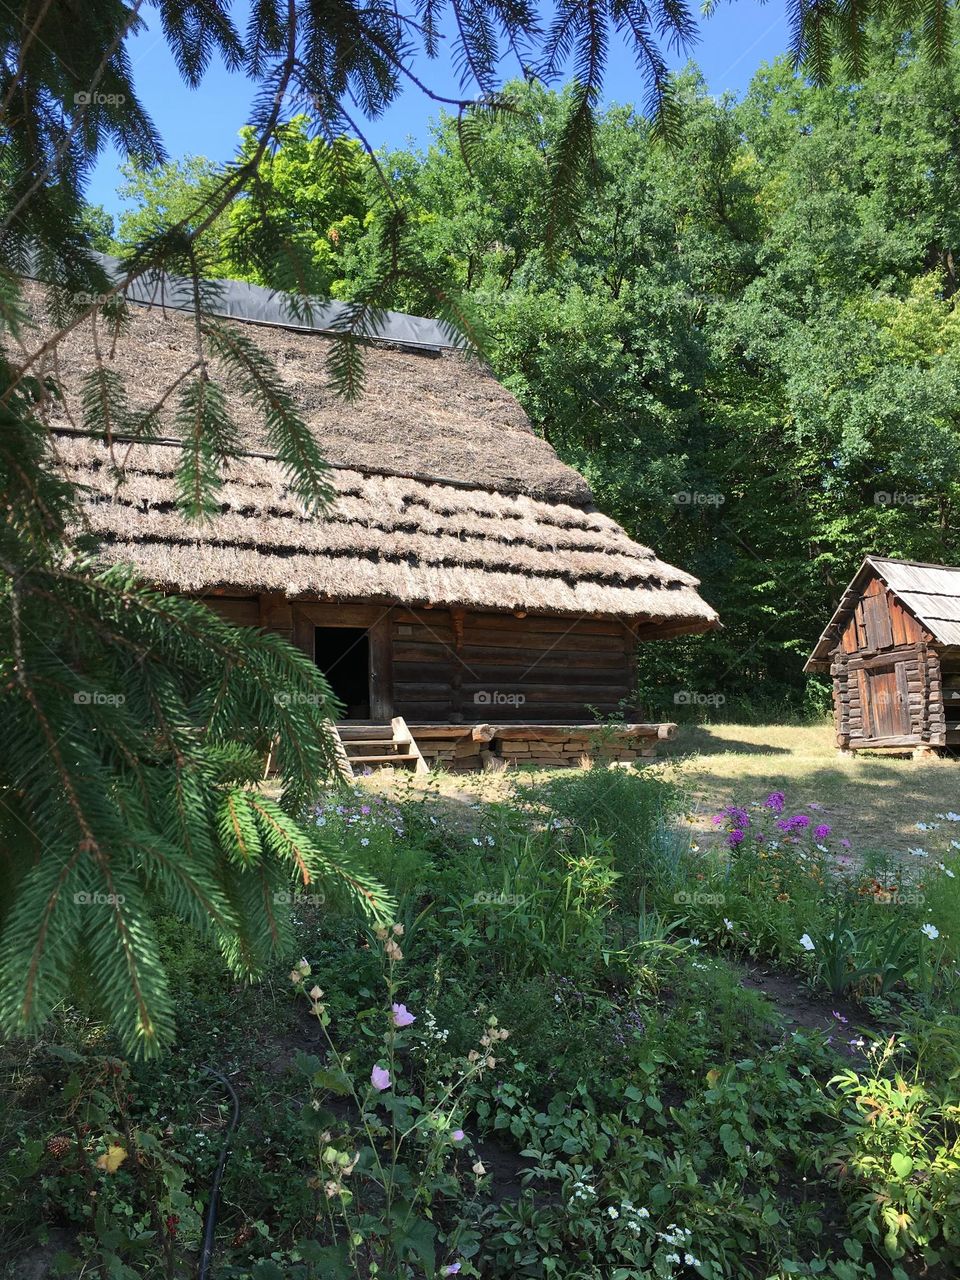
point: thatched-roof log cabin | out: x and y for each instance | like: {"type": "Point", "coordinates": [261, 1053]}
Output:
{"type": "Point", "coordinates": [463, 578]}
{"type": "Point", "coordinates": [893, 650]}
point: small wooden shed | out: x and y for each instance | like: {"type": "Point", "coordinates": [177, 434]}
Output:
{"type": "Point", "coordinates": [893, 650]}
{"type": "Point", "coordinates": [462, 584]}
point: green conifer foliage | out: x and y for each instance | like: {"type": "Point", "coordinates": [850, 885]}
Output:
{"type": "Point", "coordinates": [135, 724]}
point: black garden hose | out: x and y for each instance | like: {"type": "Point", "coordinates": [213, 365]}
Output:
{"type": "Point", "coordinates": [210, 1226]}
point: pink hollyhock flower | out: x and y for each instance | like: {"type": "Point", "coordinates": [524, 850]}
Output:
{"type": "Point", "coordinates": [380, 1079]}
{"type": "Point", "coordinates": [458, 1135]}
{"type": "Point", "coordinates": [452, 1270]}
{"type": "Point", "coordinates": [822, 831]}
{"type": "Point", "coordinates": [402, 1017]}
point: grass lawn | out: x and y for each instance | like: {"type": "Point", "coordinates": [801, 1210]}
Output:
{"type": "Point", "coordinates": [874, 800]}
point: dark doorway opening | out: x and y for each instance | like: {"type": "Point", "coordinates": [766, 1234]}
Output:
{"type": "Point", "coordinates": [343, 655]}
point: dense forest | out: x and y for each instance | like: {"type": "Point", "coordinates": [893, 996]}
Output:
{"type": "Point", "coordinates": [747, 341]}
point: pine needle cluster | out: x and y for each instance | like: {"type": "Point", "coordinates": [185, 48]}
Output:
{"type": "Point", "coordinates": [135, 724]}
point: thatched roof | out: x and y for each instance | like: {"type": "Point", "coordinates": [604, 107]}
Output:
{"type": "Point", "coordinates": [931, 592]}
{"type": "Point", "coordinates": [445, 494]}
{"type": "Point", "coordinates": [421, 414]}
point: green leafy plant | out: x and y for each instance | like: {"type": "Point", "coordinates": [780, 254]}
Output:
{"type": "Point", "coordinates": [378, 1188]}
{"type": "Point", "coordinates": [898, 1159]}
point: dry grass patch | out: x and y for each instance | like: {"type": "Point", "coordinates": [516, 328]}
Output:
{"type": "Point", "coordinates": [875, 800]}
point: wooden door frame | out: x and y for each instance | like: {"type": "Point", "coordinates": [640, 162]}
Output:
{"type": "Point", "coordinates": [376, 621]}
{"type": "Point", "coordinates": [898, 669]}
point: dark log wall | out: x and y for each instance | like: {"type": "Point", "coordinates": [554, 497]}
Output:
{"type": "Point", "coordinates": [457, 665]}
{"type": "Point", "coordinates": [441, 665]}
{"type": "Point", "coordinates": [886, 677]}
{"type": "Point", "coordinates": [271, 611]}
{"type": "Point", "coordinates": [950, 679]}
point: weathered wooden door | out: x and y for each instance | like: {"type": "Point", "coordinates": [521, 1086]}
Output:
{"type": "Point", "coordinates": [372, 623]}
{"type": "Point", "coordinates": [886, 701]}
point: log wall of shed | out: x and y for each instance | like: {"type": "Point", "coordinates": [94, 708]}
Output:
{"type": "Point", "coordinates": [887, 682]}
{"type": "Point", "coordinates": [455, 665]}
{"type": "Point", "coordinates": [950, 693]}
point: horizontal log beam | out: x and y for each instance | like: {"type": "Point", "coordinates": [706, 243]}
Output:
{"type": "Point", "coordinates": [553, 732]}
{"type": "Point", "coordinates": [561, 732]}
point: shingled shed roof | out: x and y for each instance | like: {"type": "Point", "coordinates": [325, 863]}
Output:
{"type": "Point", "coordinates": [931, 592]}
{"type": "Point", "coordinates": [444, 493]}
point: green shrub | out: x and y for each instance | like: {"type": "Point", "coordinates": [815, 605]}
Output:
{"type": "Point", "coordinates": [633, 813]}
{"type": "Point", "coordinates": [897, 1161]}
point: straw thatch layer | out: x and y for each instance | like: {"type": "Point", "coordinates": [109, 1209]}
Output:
{"type": "Point", "coordinates": [386, 538]}
{"type": "Point", "coordinates": [437, 415]}
{"type": "Point", "coordinates": [444, 493]}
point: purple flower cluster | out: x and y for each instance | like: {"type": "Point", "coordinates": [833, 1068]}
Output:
{"type": "Point", "coordinates": [737, 822]}
{"type": "Point", "coordinates": [626, 1024]}
{"type": "Point", "coordinates": [738, 819]}
{"type": "Point", "coordinates": [565, 990]}
{"type": "Point", "coordinates": [796, 823]}
{"type": "Point", "coordinates": [733, 813]}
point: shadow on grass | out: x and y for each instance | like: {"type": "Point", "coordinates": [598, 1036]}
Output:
{"type": "Point", "coordinates": [707, 740]}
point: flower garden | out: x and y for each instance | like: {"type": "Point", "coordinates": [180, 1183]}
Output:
{"type": "Point", "coordinates": [588, 1044]}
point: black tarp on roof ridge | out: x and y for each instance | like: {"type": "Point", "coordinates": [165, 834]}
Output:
{"type": "Point", "coordinates": [238, 300]}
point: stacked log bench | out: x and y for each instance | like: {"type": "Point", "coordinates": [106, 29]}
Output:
{"type": "Point", "coordinates": [464, 747]}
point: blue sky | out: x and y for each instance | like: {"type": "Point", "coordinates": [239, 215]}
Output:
{"type": "Point", "coordinates": [733, 43]}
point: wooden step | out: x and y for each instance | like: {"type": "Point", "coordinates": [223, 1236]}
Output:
{"type": "Point", "coordinates": [353, 743]}
{"type": "Point", "coordinates": [364, 732]}
{"type": "Point", "coordinates": [380, 759]}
